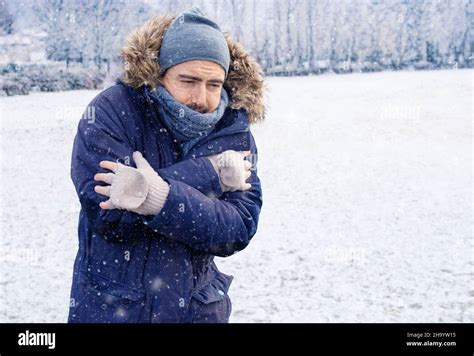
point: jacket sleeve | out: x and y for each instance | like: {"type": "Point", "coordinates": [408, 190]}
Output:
{"type": "Point", "coordinates": [196, 172]}
{"type": "Point", "coordinates": [102, 136]}
{"type": "Point", "coordinates": [219, 227]}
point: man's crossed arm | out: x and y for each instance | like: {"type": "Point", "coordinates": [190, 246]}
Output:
{"type": "Point", "coordinates": [143, 191]}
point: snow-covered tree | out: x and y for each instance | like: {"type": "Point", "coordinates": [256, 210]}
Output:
{"type": "Point", "coordinates": [286, 36]}
{"type": "Point", "coordinates": [6, 18]}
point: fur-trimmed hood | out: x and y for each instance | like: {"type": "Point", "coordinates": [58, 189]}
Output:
{"type": "Point", "coordinates": [244, 81]}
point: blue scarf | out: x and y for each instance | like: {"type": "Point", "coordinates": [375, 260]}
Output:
{"type": "Point", "coordinates": [188, 125]}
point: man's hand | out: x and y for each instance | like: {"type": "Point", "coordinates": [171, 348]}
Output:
{"type": "Point", "coordinates": [233, 170]}
{"type": "Point", "coordinates": [140, 189]}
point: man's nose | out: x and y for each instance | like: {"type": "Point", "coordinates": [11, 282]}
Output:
{"type": "Point", "coordinates": [199, 95]}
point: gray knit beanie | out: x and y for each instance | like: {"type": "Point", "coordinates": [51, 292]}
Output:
{"type": "Point", "coordinates": [192, 36]}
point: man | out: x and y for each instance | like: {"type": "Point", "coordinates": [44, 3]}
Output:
{"type": "Point", "coordinates": [160, 165]}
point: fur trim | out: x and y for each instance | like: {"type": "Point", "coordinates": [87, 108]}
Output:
{"type": "Point", "coordinates": [141, 67]}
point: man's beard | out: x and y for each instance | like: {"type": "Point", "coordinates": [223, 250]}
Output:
{"type": "Point", "coordinates": [199, 108]}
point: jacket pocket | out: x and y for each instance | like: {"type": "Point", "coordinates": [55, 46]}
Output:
{"type": "Point", "coordinates": [103, 300]}
{"type": "Point", "coordinates": [211, 303]}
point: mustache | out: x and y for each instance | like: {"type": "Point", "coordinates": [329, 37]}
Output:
{"type": "Point", "coordinates": [199, 108]}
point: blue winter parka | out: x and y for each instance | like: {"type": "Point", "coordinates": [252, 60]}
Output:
{"type": "Point", "coordinates": [150, 269]}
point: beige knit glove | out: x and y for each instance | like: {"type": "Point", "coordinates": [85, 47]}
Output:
{"type": "Point", "coordinates": [140, 189]}
{"type": "Point", "coordinates": [232, 169]}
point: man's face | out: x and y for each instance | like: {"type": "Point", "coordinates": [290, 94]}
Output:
{"type": "Point", "coordinates": [196, 84]}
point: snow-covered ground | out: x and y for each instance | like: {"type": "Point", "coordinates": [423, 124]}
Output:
{"type": "Point", "coordinates": [367, 216]}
